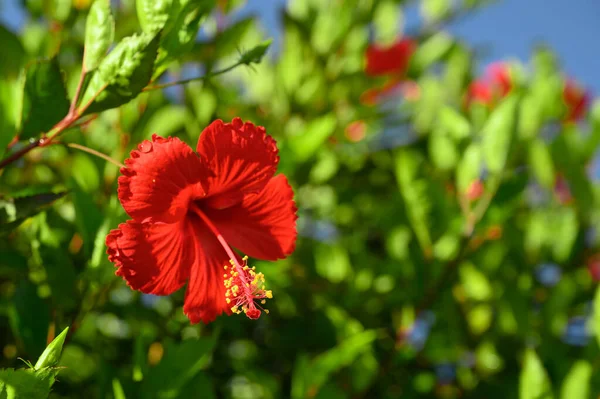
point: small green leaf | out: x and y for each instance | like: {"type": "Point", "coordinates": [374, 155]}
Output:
{"type": "Point", "coordinates": [122, 74]}
{"type": "Point", "coordinates": [454, 123]}
{"type": "Point", "coordinates": [306, 144]}
{"type": "Point", "coordinates": [541, 163]}
{"type": "Point", "coordinates": [180, 31]}
{"type": "Point", "coordinates": [14, 211]}
{"type": "Point", "coordinates": [387, 21]}
{"type": "Point", "coordinates": [255, 55]}
{"type": "Point", "coordinates": [181, 363]}
{"type": "Point", "coordinates": [99, 34]}
{"type": "Point", "coordinates": [414, 189]}
{"type": "Point", "coordinates": [332, 262]}
{"type": "Point", "coordinates": [118, 391]}
{"type": "Point", "coordinates": [577, 383]}
{"type": "Point", "coordinates": [596, 315]}
{"type": "Point", "coordinates": [497, 135]}
{"type": "Point", "coordinates": [476, 285]}
{"type": "Point", "coordinates": [442, 150]}
{"type": "Point", "coordinates": [51, 355]}
{"type": "Point", "coordinates": [319, 369]}
{"type": "Point", "coordinates": [534, 382]}
{"type": "Point", "coordinates": [45, 100]}
{"type": "Point", "coordinates": [432, 50]}
{"type": "Point", "coordinates": [153, 14]}
{"type": "Point", "coordinates": [435, 10]}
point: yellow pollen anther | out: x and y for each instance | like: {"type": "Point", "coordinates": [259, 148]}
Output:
{"type": "Point", "coordinates": [245, 288]}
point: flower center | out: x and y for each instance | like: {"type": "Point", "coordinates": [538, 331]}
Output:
{"type": "Point", "coordinates": [244, 288]}
{"type": "Point", "coordinates": [243, 285]}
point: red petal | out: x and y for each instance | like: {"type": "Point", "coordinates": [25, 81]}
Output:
{"type": "Point", "coordinates": [205, 295]}
{"type": "Point", "coordinates": [263, 225]}
{"type": "Point", "coordinates": [242, 158]}
{"type": "Point", "coordinates": [154, 258]}
{"type": "Point", "coordinates": [161, 178]}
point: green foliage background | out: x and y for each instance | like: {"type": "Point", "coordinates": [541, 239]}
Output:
{"type": "Point", "coordinates": [400, 285]}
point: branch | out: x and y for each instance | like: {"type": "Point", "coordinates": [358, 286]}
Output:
{"type": "Point", "coordinates": [197, 78]}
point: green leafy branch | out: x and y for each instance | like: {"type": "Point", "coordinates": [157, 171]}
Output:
{"type": "Point", "coordinates": [113, 80]}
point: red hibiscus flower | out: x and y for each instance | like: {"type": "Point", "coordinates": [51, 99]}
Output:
{"type": "Point", "coordinates": [496, 83]}
{"type": "Point", "coordinates": [576, 99]}
{"type": "Point", "coordinates": [188, 208]}
{"type": "Point", "coordinates": [391, 60]}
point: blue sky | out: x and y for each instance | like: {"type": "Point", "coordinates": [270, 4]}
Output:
{"type": "Point", "coordinates": [508, 28]}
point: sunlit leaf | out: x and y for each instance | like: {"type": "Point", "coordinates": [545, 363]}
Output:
{"type": "Point", "coordinates": [534, 382]}
{"type": "Point", "coordinates": [99, 34]}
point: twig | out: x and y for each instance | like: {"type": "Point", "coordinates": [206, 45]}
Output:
{"type": "Point", "coordinates": [197, 78]}
{"type": "Point", "coordinates": [96, 153]}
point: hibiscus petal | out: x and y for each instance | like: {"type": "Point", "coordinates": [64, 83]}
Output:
{"type": "Point", "coordinates": [205, 295]}
{"type": "Point", "coordinates": [160, 179]}
{"type": "Point", "coordinates": [242, 158]}
{"type": "Point", "coordinates": [263, 225]}
{"type": "Point", "coordinates": [154, 258]}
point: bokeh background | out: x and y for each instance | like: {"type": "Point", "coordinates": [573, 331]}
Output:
{"type": "Point", "coordinates": [448, 205]}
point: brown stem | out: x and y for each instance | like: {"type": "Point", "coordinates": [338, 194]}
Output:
{"type": "Point", "coordinates": [15, 156]}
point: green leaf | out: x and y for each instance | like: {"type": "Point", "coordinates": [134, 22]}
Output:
{"type": "Point", "coordinates": [596, 315]}
{"type": "Point", "coordinates": [476, 285]}
{"type": "Point", "coordinates": [99, 34]}
{"type": "Point", "coordinates": [435, 10]}
{"type": "Point", "coordinates": [255, 55]}
{"type": "Point", "coordinates": [10, 89]}
{"type": "Point", "coordinates": [432, 50]}
{"type": "Point", "coordinates": [51, 354]}
{"type": "Point", "coordinates": [45, 100]}
{"type": "Point", "coordinates": [541, 163]}
{"type": "Point", "coordinates": [568, 160]}
{"type": "Point", "coordinates": [14, 211]}
{"type": "Point", "coordinates": [577, 383]}
{"type": "Point", "coordinates": [153, 14]}
{"type": "Point", "coordinates": [60, 10]}
{"type": "Point", "coordinates": [118, 392]}
{"type": "Point", "coordinates": [181, 364]}
{"type": "Point", "coordinates": [26, 384]}
{"type": "Point", "coordinates": [414, 190]}
{"type": "Point", "coordinates": [387, 21]}
{"type": "Point", "coordinates": [332, 262]}
{"type": "Point", "coordinates": [180, 32]}
{"type": "Point", "coordinates": [88, 216]}
{"type": "Point", "coordinates": [317, 131]}
{"type": "Point", "coordinates": [442, 150]}
{"type": "Point", "coordinates": [534, 382]}
{"type": "Point", "coordinates": [454, 123]}
{"type": "Point", "coordinates": [11, 52]}
{"type": "Point", "coordinates": [122, 74]}
{"type": "Point", "coordinates": [30, 319]}
{"type": "Point", "coordinates": [497, 135]}
{"type": "Point", "coordinates": [313, 375]}
{"type": "Point", "coordinates": [561, 232]}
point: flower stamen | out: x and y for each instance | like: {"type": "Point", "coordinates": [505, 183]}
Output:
{"type": "Point", "coordinates": [244, 287]}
